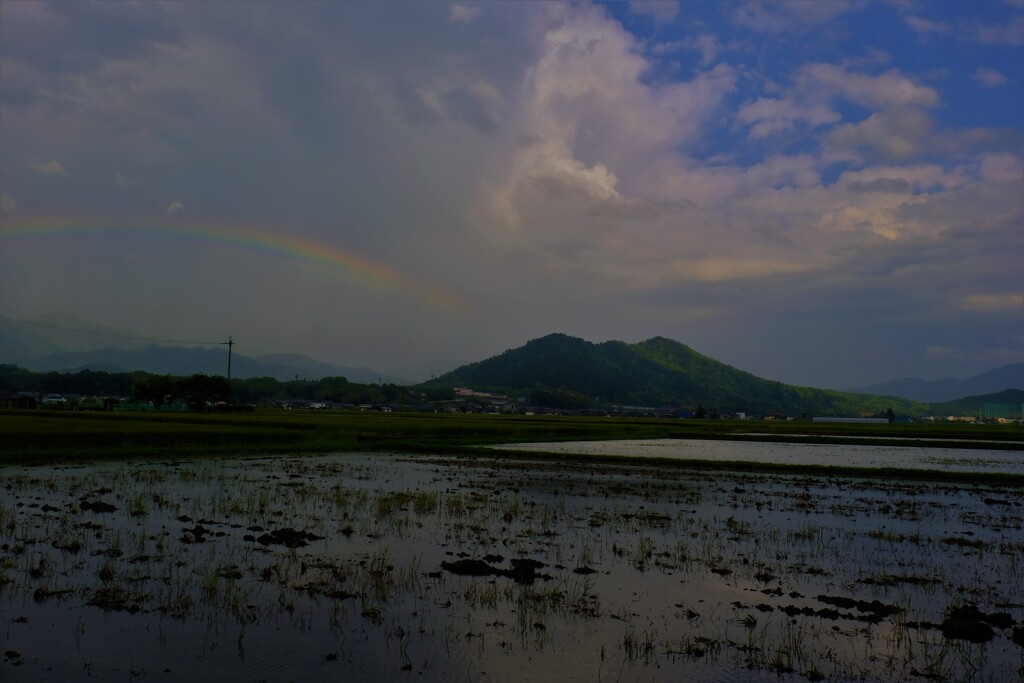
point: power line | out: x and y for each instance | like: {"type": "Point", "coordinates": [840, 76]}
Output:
{"type": "Point", "coordinates": [113, 335]}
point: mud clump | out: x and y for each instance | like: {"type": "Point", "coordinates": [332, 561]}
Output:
{"type": "Point", "coordinates": [523, 570]}
{"type": "Point", "coordinates": [289, 538]}
{"type": "Point", "coordinates": [97, 506]}
{"type": "Point", "coordinates": [969, 623]}
{"type": "Point", "coordinates": [875, 609]}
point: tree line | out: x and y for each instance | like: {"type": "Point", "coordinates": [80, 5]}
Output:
{"type": "Point", "coordinates": [144, 386]}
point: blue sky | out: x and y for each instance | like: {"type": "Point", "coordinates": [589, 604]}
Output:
{"type": "Point", "coordinates": [822, 192]}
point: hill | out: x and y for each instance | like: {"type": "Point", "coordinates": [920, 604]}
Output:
{"type": "Point", "coordinates": [949, 389]}
{"type": "Point", "coordinates": [656, 372]}
{"type": "Point", "coordinates": [1008, 403]}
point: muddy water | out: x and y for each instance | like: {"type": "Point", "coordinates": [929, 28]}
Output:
{"type": "Point", "coordinates": [394, 568]}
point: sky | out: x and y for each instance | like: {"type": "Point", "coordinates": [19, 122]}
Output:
{"type": "Point", "coordinates": [827, 193]}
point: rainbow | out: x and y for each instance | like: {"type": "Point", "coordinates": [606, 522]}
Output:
{"type": "Point", "coordinates": [257, 239]}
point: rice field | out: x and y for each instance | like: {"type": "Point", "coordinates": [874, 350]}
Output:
{"type": "Point", "coordinates": [395, 567]}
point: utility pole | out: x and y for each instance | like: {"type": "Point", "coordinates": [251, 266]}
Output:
{"type": "Point", "coordinates": [230, 342]}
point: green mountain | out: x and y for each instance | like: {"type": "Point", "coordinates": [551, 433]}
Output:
{"type": "Point", "coordinates": [1008, 403]}
{"type": "Point", "coordinates": [656, 372]}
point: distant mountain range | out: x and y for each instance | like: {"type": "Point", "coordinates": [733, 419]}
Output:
{"type": "Point", "coordinates": [651, 373]}
{"type": "Point", "coordinates": [941, 390]}
{"type": "Point", "coordinates": [63, 342]}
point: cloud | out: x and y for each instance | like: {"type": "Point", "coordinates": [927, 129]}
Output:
{"type": "Point", "coordinates": [463, 14]}
{"type": "Point", "coordinates": [890, 185]}
{"type": "Point", "coordinates": [557, 165]}
{"type": "Point", "coordinates": [65, 39]}
{"type": "Point", "coordinates": [664, 11]}
{"type": "Point", "coordinates": [46, 168]}
{"type": "Point", "coordinates": [1002, 301]}
{"type": "Point", "coordinates": [767, 115]}
{"type": "Point", "coordinates": [1001, 168]}
{"type": "Point", "coordinates": [872, 57]}
{"type": "Point", "coordinates": [788, 15]}
{"type": "Point", "coordinates": [590, 118]}
{"type": "Point", "coordinates": [888, 89]}
{"type": "Point", "coordinates": [989, 78]}
{"type": "Point", "coordinates": [893, 134]}
{"type": "Point", "coordinates": [925, 27]}
{"type": "Point", "coordinates": [708, 46]}
{"type": "Point", "coordinates": [1007, 33]}
{"type": "Point", "coordinates": [7, 203]}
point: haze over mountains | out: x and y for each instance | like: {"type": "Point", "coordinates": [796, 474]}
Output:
{"type": "Point", "coordinates": [949, 389]}
{"type": "Point", "coordinates": [63, 342]}
{"type": "Point", "coordinates": [655, 372]}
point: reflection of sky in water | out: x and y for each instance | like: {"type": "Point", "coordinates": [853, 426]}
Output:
{"type": "Point", "coordinates": [923, 457]}
{"type": "Point", "coordinates": [815, 536]}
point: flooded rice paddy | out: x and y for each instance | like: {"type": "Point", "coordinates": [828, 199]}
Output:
{"type": "Point", "coordinates": [394, 568]}
{"type": "Point", "coordinates": [839, 455]}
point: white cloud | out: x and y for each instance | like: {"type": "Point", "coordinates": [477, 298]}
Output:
{"type": "Point", "coordinates": [898, 134]}
{"type": "Point", "coordinates": [173, 208]}
{"type": "Point", "coordinates": [767, 115]}
{"type": "Point", "coordinates": [888, 89]}
{"type": "Point", "coordinates": [590, 118]}
{"type": "Point", "coordinates": [463, 14]}
{"type": "Point", "coordinates": [989, 78]}
{"type": "Point", "coordinates": [915, 177]}
{"type": "Point", "coordinates": [46, 168]}
{"type": "Point", "coordinates": [121, 180]}
{"type": "Point", "coordinates": [7, 203]}
{"type": "Point", "coordinates": [664, 11]}
{"type": "Point", "coordinates": [1002, 168]}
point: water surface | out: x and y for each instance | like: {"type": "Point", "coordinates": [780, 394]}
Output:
{"type": "Point", "coordinates": [347, 567]}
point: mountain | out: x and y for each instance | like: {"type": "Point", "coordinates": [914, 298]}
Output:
{"type": "Point", "coordinates": [949, 389]}
{"type": "Point", "coordinates": [1008, 403]}
{"type": "Point", "coordinates": [24, 340]}
{"type": "Point", "coordinates": [64, 342]}
{"type": "Point", "coordinates": [655, 372]}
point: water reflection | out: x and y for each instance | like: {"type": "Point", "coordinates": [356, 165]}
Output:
{"type": "Point", "coordinates": [346, 567]}
{"type": "Point", "coordinates": [839, 455]}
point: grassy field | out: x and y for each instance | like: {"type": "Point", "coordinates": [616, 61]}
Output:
{"type": "Point", "coordinates": [42, 435]}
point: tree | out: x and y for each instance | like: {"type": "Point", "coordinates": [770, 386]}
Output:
{"type": "Point", "coordinates": [154, 388]}
{"type": "Point", "coordinates": [203, 389]}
